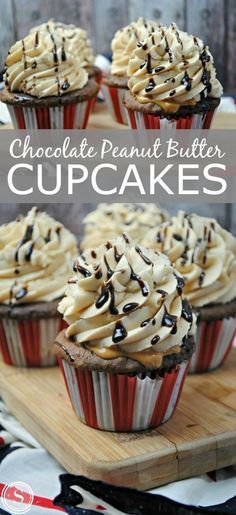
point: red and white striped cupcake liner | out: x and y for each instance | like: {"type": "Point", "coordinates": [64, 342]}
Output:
{"type": "Point", "coordinates": [27, 343]}
{"type": "Point", "coordinates": [137, 120]}
{"type": "Point", "coordinates": [214, 340]}
{"type": "Point", "coordinates": [114, 98]}
{"type": "Point", "coordinates": [116, 402]}
{"type": "Point", "coordinates": [70, 116]}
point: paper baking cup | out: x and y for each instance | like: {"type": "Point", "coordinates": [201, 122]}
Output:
{"type": "Point", "coordinates": [137, 120]}
{"type": "Point", "coordinates": [71, 116]}
{"type": "Point", "coordinates": [114, 98]}
{"type": "Point", "coordinates": [213, 343]}
{"type": "Point", "coordinates": [27, 343]}
{"type": "Point", "coordinates": [116, 402]}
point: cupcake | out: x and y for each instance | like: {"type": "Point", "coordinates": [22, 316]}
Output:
{"type": "Point", "coordinates": [205, 255]}
{"type": "Point", "coordinates": [111, 220]}
{"type": "Point", "coordinates": [36, 255]}
{"type": "Point", "coordinates": [80, 43]}
{"type": "Point", "coordinates": [115, 84]}
{"type": "Point", "coordinates": [46, 83]}
{"type": "Point", "coordinates": [172, 82]}
{"type": "Point", "coordinates": [125, 353]}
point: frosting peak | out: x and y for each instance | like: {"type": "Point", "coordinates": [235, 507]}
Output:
{"type": "Point", "coordinates": [170, 65]}
{"type": "Point", "coordinates": [36, 256]}
{"type": "Point", "coordinates": [126, 300]}
{"type": "Point", "coordinates": [125, 41]}
{"type": "Point", "coordinates": [203, 252]}
{"type": "Point", "coordinates": [49, 61]}
{"type": "Point", "coordinates": [111, 220]}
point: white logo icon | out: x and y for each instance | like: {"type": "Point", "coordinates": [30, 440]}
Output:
{"type": "Point", "coordinates": [17, 497]}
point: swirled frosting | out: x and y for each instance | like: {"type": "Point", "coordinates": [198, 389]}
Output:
{"type": "Point", "coordinates": [125, 41]}
{"type": "Point", "coordinates": [49, 61]}
{"type": "Point", "coordinates": [171, 66]}
{"type": "Point", "coordinates": [36, 258]}
{"type": "Point", "coordinates": [111, 220]}
{"type": "Point", "coordinates": [126, 300]}
{"type": "Point", "coordinates": [78, 39]}
{"type": "Point", "coordinates": [203, 252]}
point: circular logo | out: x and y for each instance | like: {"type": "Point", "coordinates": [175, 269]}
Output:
{"type": "Point", "coordinates": [17, 497]}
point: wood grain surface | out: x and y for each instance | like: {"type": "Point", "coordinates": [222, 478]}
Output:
{"type": "Point", "coordinates": [200, 437]}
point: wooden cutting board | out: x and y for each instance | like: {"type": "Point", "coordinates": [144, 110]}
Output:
{"type": "Point", "coordinates": [201, 436]}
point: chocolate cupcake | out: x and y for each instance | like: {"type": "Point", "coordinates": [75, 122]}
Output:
{"type": "Point", "coordinates": [205, 255]}
{"type": "Point", "coordinates": [36, 255]}
{"type": "Point", "coordinates": [126, 351]}
{"type": "Point", "coordinates": [115, 84]}
{"type": "Point", "coordinates": [110, 220]}
{"type": "Point", "coordinates": [46, 83]}
{"type": "Point", "coordinates": [172, 82]}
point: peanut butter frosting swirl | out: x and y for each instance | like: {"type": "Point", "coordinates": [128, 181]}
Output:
{"type": "Point", "coordinates": [110, 220]}
{"type": "Point", "coordinates": [203, 252]}
{"type": "Point", "coordinates": [173, 67]}
{"type": "Point", "coordinates": [48, 62]}
{"type": "Point", "coordinates": [126, 300]}
{"type": "Point", "coordinates": [125, 41]}
{"type": "Point", "coordinates": [79, 41]}
{"type": "Point", "coordinates": [36, 256]}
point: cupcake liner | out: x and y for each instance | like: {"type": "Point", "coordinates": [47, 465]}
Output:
{"type": "Point", "coordinates": [114, 98]}
{"type": "Point", "coordinates": [214, 340]}
{"type": "Point", "coordinates": [70, 116]}
{"type": "Point", "coordinates": [118, 402]}
{"type": "Point", "coordinates": [27, 343]}
{"type": "Point", "coordinates": [138, 120]}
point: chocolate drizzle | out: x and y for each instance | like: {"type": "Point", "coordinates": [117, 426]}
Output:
{"type": "Point", "coordinates": [177, 237]}
{"type": "Point", "coordinates": [180, 283]}
{"type": "Point", "coordinates": [107, 291]}
{"type": "Point", "coordinates": [24, 56]}
{"type": "Point", "coordinates": [29, 251]}
{"type": "Point", "coordinates": [21, 293]}
{"type": "Point", "coordinates": [168, 320]}
{"type": "Point", "coordinates": [63, 53]}
{"type": "Point", "coordinates": [98, 273]}
{"type": "Point", "coordinates": [120, 333]}
{"type": "Point", "coordinates": [159, 69]}
{"type": "Point", "coordinates": [145, 322]}
{"type": "Point", "coordinates": [187, 82]}
{"type": "Point", "coordinates": [27, 237]}
{"type": "Point", "coordinates": [110, 272]}
{"type": "Point", "coordinates": [155, 339]}
{"type": "Point", "coordinates": [201, 278]}
{"type": "Point", "coordinates": [168, 50]}
{"type": "Point", "coordinates": [130, 307]}
{"type": "Point", "coordinates": [117, 256]}
{"type": "Point", "coordinates": [65, 85]}
{"type": "Point", "coordinates": [149, 63]}
{"type": "Point", "coordinates": [83, 271]}
{"type": "Point", "coordinates": [145, 258]}
{"type": "Point", "coordinates": [186, 311]}
{"type": "Point", "coordinates": [48, 237]}
{"type": "Point", "coordinates": [162, 293]}
{"type": "Point", "coordinates": [143, 286]}
{"type": "Point", "coordinates": [206, 80]}
{"type": "Point", "coordinates": [93, 254]}
{"type": "Point", "coordinates": [151, 85]}
{"type": "Point", "coordinates": [36, 41]}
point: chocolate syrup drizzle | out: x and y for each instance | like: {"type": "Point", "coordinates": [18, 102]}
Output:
{"type": "Point", "coordinates": [27, 237]}
{"type": "Point", "coordinates": [130, 307]}
{"type": "Point", "coordinates": [120, 333]}
{"type": "Point", "coordinates": [21, 293]}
